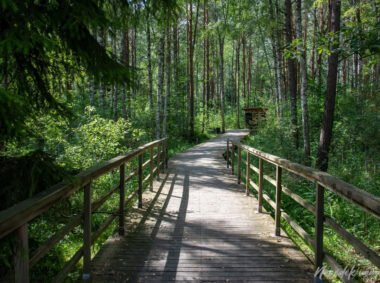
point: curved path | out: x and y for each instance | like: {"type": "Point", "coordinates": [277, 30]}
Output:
{"type": "Point", "coordinates": [198, 226]}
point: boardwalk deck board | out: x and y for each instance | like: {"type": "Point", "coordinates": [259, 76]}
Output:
{"type": "Point", "coordinates": [200, 227]}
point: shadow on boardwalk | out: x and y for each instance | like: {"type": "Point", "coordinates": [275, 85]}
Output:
{"type": "Point", "coordinates": [199, 226]}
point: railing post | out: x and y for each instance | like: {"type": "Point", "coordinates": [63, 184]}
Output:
{"type": "Point", "coordinates": [247, 175]}
{"type": "Point", "coordinates": [151, 165]}
{"type": "Point", "coordinates": [260, 192]}
{"type": "Point", "coordinates": [158, 160]}
{"type": "Point", "coordinates": [122, 200]}
{"type": "Point", "coordinates": [21, 258]}
{"type": "Point", "coordinates": [86, 275]}
{"type": "Point", "coordinates": [228, 153]}
{"type": "Point", "coordinates": [278, 200]}
{"type": "Point", "coordinates": [232, 157]}
{"type": "Point", "coordinates": [140, 179]}
{"type": "Point", "coordinates": [163, 157]}
{"type": "Point", "coordinates": [239, 165]}
{"type": "Point", "coordinates": [166, 153]}
{"type": "Point", "coordinates": [319, 254]}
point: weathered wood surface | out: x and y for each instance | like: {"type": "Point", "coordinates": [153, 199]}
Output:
{"type": "Point", "coordinates": [200, 227]}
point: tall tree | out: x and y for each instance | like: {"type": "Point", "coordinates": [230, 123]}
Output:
{"type": "Point", "coordinates": [276, 59]}
{"type": "Point", "coordinates": [237, 88]}
{"type": "Point", "coordinates": [168, 81]}
{"type": "Point", "coordinates": [160, 82]}
{"type": "Point", "coordinates": [150, 71]}
{"type": "Point", "coordinates": [328, 116]}
{"type": "Point", "coordinates": [190, 68]}
{"type": "Point", "coordinates": [303, 74]}
{"type": "Point", "coordinates": [292, 74]}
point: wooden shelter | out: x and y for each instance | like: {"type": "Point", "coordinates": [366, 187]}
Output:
{"type": "Point", "coordinates": [254, 116]}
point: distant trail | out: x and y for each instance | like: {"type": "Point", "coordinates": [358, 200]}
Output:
{"type": "Point", "coordinates": [201, 227]}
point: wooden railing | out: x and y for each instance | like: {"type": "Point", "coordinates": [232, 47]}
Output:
{"type": "Point", "coordinates": [14, 221]}
{"type": "Point", "coordinates": [362, 199]}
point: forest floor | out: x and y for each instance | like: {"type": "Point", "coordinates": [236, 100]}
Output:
{"type": "Point", "coordinates": [198, 225]}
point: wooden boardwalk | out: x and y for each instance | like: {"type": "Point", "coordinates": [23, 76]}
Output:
{"type": "Point", "coordinates": [199, 226]}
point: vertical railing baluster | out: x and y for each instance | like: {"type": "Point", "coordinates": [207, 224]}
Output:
{"type": "Point", "coordinates": [151, 165]}
{"type": "Point", "coordinates": [158, 160]}
{"type": "Point", "coordinates": [163, 156]}
{"type": "Point", "coordinates": [239, 165]}
{"type": "Point", "coordinates": [86, 275]}
{"type": "Point", "coordinates": [166, 153]}
{"type": "Point", "coordinates": [232, 157]}
{"type": "Point", "coordinates": [140, 179]}
{"type": "Point", "coordinates": [319, 207]}
{"type": "Point", "coordinates": [278, 200]}
{"type": "Point", "coordinates": [260, 192]}
{"type": "Point", "coordinates": [21, 259]}
{"type": "Point", "coordinates": [121, 200]}
{"type": "Point", "coordinates": [228, 153]}
{"type": "Point", "coordinates": [247, 171]}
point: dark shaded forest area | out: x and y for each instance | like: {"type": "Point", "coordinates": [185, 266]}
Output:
{"type": "Point", "coordinates": [84, 81]}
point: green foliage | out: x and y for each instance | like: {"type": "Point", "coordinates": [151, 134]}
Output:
{"type": "Point", "coordinates": [99, 139]}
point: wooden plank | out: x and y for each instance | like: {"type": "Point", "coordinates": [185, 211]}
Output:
{"type": "Point", "coordinates": [270, 180]}
{"type": "Point", "coordinates": [21, 257]}
{"type": "Point", "coordinates": [151, 167]}
{"type": "Point", "coordinates": [338, 269]}
{"type": "Point", "coordinates": [228, 153]}
{"type": "Point", "coordinates": [239, 166]}
{"type": "Point", "coordinates": [301, 201]}
{"type": "Point", "coordinates": [254, 168]}
{"type": "Point", "coordinates": [140, 182]}
{"type": "Point", "coordinates": [247, 174]}
{"type": "Point", "coordinates": [319, 210]}
{"type": "Point", "coordinates": [256, 187]}
{"type": "Point", "coordinates": [57, 237]}
{"type": "Point", "coordinates": [353, 241]}
{"type": "Point", "coordinates": [278, 201]}
{"type": "Point", "coordinates": [260, 191]}
{"type": "Point", "coordinates": [269, 201]}
{"type": "Point", "coordinates": [121, 200]}
{"type": "Point", "coordinates": [86, 274]}
{"type": "Point", "coordinates": [60, 277]}
{"type": "Point", "coordinates": [158, 161]}
{"type": "Point", "coordinates": [232, 158]}
{"type": "Point", "coordinates": [300, 231]}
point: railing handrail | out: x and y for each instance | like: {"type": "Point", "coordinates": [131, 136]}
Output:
{"type": "Point", "coordinates": [365, 200]}
{"type": "Point", "coordinates": [24, 211]}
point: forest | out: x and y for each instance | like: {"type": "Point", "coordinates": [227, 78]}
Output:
{"type": "Point", "coordinates": [84, 81]}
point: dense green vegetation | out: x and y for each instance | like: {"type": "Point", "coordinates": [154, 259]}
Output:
{"type": "Point", "coordinates": [84, 81]}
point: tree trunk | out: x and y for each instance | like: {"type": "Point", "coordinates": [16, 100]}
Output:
{"type": "Point", "coordinates": [237, 73]}
{"type": "Point", "coordinates": [328, 116]}
{"type": "Point", "coordinates": [313, 44]}
{"type": "Point", "coordinates": [292, 76]}
{"type": "Point", "coordinates": [126, 62]}
{"type": "Point", "coordinates": [303, 76]}
{"type": "Point", "coordinates": [190, 67]}
{"type": "Point", "coordinates": [277, 70]}
{"type": "Point", "coordinates": [221, 70]}
{"type": "Point", "coordinates": [205, 65]}
{"type": "Point", "coordinates": [168, 78]}
{"type": "Point", "coordinates": [319, 60]}
{"type": "Point", "coordinates": [160, 86]}
{"type": "Point", "coordinates": [150, 72]}
{"type": "Point", "coordinates": [249, 82]}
